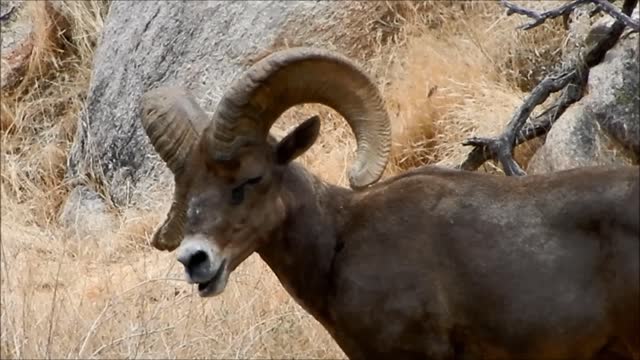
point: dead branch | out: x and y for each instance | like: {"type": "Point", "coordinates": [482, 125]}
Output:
{"type": "Point", "coordinates": [539, 18]}
{"type": "Point", "coordinates": [571, 80]}
{"type": "Point", "coordinates": [491, 148]}
{"type": "Point", "coordinates": [501, 146]}
{"type": "Point", "coordinates": [617, 14]}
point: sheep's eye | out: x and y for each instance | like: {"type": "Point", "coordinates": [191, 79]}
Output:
{"type": "Point", "coordinates": [237, 193]}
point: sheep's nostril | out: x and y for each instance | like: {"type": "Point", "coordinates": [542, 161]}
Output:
{"type": "Point", "coordinates": [197, 259]}
{"type": "Point", "coordinates": [194, 261]}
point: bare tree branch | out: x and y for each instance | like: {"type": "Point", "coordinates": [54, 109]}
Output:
{"type": "Point", "coordinates": [617, 14]}
{"type": "Point", "coordinates": [537, 127]}
{"type": "Point", "coordinates": [539, 18]}
{"type": "Point", "coordinates": [502, 146]}
{"type": "Point", "coordinates": [572, 81]}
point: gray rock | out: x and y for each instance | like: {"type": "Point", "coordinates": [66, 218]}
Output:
{"type": "Point", "coordinates": [604, 126]}
{"type": "Point", "coordinates": [576, 140]}
{"type": "Point", "coordinates": [15, 25]}
{"type": "Point", "coordinates": [16, 41]}
{"type": "Point", "coordinates": [614, 90]}
{"type": "Point", "coordinates": [201, 45]}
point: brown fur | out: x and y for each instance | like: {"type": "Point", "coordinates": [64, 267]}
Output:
{"type": "Point", "coordinates": [438, 263]}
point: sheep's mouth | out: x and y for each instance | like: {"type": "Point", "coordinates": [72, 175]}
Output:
{"type": "Point", "coordinates": [216, 284]}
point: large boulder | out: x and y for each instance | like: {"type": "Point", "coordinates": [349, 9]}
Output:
{"type": "Point", "coordinates": [604, 126]}
{"type": "Point", "coordinates": [16, 42]}
{"type": "Point", "coordinates": [202, 46]}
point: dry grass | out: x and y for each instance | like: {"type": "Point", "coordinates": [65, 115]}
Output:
{"type": "Point", "coordinates": [447, 69]}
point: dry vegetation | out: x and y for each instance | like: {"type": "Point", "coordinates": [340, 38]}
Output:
{"type": "Point", "coordinates": [448, 70]}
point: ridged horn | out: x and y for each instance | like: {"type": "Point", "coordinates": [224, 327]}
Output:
{"type": "Point", "coordinates": [295, 76]}
{"type": "Point", "coordinates": [173, 121]}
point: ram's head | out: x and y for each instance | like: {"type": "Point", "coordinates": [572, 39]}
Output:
{"type": "Point", "coordinates": [228, 170]}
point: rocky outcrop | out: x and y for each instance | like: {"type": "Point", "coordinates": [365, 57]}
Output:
{"type": "Point", "coordinates": [201, 46]}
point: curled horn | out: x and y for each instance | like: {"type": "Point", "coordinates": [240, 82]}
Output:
{"type": "Point", "coordinates": [287, 78]}
{"type": "Point", "coordinates": [173, 121]}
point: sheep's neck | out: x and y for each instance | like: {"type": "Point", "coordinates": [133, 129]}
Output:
{"type": "Point", "coordinates": [301, 254]}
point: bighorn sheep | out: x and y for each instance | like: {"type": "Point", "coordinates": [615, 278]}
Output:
{"type": "Point", "coordinates": [433, 263]}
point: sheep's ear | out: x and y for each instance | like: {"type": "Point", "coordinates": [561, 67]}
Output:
{"type": "Point", "coordinates": [298, 141]}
